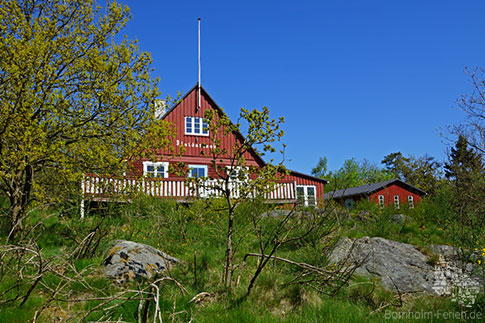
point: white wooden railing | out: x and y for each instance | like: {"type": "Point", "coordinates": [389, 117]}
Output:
{"type": "Point", "coordinates": [95, 186]}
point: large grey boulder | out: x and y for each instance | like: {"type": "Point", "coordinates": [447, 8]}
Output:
{"type": "Point", "coordinates": [128, 260]}
{"type": "Point", "coordinates": [404, 268]}
{"type": "Point", "coordinates": [398, 265]}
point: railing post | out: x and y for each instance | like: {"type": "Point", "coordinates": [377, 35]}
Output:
{"type": "Point", "coordinates": [82, 195]}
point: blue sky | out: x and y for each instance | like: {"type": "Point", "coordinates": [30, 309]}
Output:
{"type": "Point", "coordinates": [352, 78]}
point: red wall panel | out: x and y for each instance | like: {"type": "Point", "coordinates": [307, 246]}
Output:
{"type": "Point", "coordinates": [392, 190]}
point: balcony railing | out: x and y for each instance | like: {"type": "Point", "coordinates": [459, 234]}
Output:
{"type": "Point", "coordinates": [99, 187]}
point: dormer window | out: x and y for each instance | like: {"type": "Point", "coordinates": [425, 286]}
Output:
{"type": "Point", "coordinates": [196, 126]}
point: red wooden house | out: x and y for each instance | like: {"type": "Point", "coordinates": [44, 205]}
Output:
{"type": "Point", "coordinates": [388, 193]}
{"type": "Point", "coordinates": [192, 132]}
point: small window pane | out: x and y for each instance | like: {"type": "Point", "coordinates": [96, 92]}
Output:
{"type": "Point", "coordinates": [193, 172]}
{"type": "Point", "coordinates": [205, 127]}
{"type": "Point", "coordinates": [311, 191]}
{"type": "Point", "coordinates": [300, 194]}
{"type": "Point", "coordinates": [160, 171]}
{"type": "Point", "coordinates": [381, 200]}
{"type": "Point", "coordinates": [197, 125]}
{"type": "Point", "coordinates": [410, 201]}
{"type": "Point", "coordinates": [188, 125]}
{"type": "Point", "coordinates": [198, 171]}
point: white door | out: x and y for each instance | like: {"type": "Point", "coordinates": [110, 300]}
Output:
{"type": "Point", "coordinates": [306, 195]}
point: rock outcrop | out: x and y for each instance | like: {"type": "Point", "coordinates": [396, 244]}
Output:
{"type": "Point", "coordinates": [128, 260]}
{"type": "Point", "coordinates": [403, 267]}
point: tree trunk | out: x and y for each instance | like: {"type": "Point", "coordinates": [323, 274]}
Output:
{"type": "Point", "coordinates": [15, 214]}
{"type": "Point", "coordinates": [19, 198]}
{"type": "Point", "coordinates": [228, 259]}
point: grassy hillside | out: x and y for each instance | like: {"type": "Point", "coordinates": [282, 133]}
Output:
{"type": "Point", "coordinates": [72, 287]}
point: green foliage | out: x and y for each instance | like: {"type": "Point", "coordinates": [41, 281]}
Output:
{"type": "Point", "coordinates": [464, 163]}
{"type": "Point", "coordinates": [422, 172]}
{"type": "Point", "coordinates": [184, 231]}
{"type": "Point", "coordinates": [321, 169]}
{"type": "Point", "coordinates": [73, 98]}
{"type": "Point", "coordinates": [352, 173]}
{"type": "Point", "coordinates": [466, 172]}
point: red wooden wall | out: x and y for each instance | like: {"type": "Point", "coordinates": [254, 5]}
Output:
{"type": "Point", "coordinates": [392, 190]}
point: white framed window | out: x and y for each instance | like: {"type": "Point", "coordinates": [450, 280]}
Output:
{"type": "Point", "coordinates": [396, 201]}
{"type": "Point", "coordinates": [196, 126]}
{"type": "Point", "coordinates": [410, 201]}
{"type": "Point", "coordinates": [198, 171]}
{"type": "Point", "coordinates": [381, 201]}
{"type": "Point", "coordinates": [306, 195]}
{"type": "Point", "coordinates": [155, 169]}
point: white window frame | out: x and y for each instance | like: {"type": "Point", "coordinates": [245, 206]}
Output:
{"type": "Point", "coordinates": [411, 201]}
{"type": "Point", "coordinates": [202, 122]}
{"type": "Point", "coordinates": [306, 200]}
{"type": "Point", "coordinates": [155, 165]}
{"type": "Point", "coordinates": [206, 170]}
{"type": "Point", "coordinates": [396, 202]}
{"type": "Point", "coordinates": [382, 201]}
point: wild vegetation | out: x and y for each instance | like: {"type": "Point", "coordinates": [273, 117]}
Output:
{"type": "Point", "coordinates": [56, 272]}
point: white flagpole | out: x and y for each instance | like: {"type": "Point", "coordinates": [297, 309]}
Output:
{"type": "Point", "coordinates": [198, 107]}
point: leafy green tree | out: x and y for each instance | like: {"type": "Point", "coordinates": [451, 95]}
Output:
{"type": "Point", "coordinates": [73, 98]}
{"type": "Point", "coordinates": [351, 173]}
{"type": "Point", "coordinates": [321, 169]}
{"type": "Point", "coordinates": [422, 172]}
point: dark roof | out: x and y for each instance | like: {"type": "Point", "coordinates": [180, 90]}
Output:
{"type": "Point", "coordinates": [371, 188]}
{"type": "Point", "coordinates": [323, 180]}
{"type": "Point", "coordinates": [219, 110]}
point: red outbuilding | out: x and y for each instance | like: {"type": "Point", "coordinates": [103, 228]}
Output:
{"type": "Point", "coordinates": [192, 133]}
{"type": "Point", "coordinates": [393, 192]}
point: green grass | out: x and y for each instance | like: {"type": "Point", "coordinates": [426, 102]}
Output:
{"type": "Point", "coordinates": [198, 232]}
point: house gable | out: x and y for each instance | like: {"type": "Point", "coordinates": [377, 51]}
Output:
{"type": "Point", "coordinates": [199, 146]}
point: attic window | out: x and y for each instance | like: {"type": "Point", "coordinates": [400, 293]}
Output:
{"type": "Point", "coordinates": [196, 126]}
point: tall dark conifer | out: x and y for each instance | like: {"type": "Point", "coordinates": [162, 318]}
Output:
{"type": "Point", "coordinates": [466, 171]}
{"type": "Point", "coordinates": [464, 163]}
